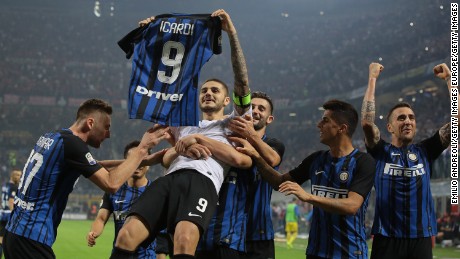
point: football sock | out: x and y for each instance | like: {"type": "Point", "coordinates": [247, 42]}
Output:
{"type": "Point", "coordinates": [119, 253]}
{"type": "Point", "coordinates": [183, 256]}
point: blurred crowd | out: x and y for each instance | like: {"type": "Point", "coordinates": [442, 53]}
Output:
{"type": "Point", "coordinates": [448, 230]}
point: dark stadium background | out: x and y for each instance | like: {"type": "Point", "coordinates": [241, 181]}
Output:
{"type": "Point", "coordinates": [55, 54]}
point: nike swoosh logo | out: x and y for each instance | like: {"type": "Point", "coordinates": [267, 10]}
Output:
{"type": "Point", "coordinates": [395, 154]}
{"type": "Point", "coordinates": [318, 172]}
{"type": "Point", "coordinates": [193, 215]}
{"type": "Point", "coordinates": [117, 201]}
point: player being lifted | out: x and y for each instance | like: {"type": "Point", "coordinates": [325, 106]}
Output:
{"type": "Point", "coordinates": [185, 199]}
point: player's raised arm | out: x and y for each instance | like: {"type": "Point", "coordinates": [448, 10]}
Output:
{"type": "Point", "coordinates": [371, 132]}
{"type": "Point", "coordinates": [241, 94]}
{"type": "Point", "coordinates": [442, 71]}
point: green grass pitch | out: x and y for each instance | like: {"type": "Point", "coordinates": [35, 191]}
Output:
{"type": "Point", "coordinates": [71, 244]}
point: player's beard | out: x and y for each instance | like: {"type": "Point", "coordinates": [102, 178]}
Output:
{"type": "Point", "coordinates": [211, 109]}
{"type": "Point", "coordinates": [260, 124]}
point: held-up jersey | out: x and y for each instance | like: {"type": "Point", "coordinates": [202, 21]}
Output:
{"type": "Point", "coordinates": [404, 206]}
{"type": "Point", "coordinates": [260, 226]}
{"type": "Point", "coordinates": [168, 55]}
{"type": "Point", "coordinates": [333, 235]}
{"type": "Point", "coordinates": [50, 174]}
{"type": "Point", "coordinates": [119, 204]}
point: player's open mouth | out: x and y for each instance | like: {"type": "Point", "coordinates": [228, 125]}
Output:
{"type": "Point", "coordinates": [206, 100]}
{"type": "Point", "coordinates": [407, 131]}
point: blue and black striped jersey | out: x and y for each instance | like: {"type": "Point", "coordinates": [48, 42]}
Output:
{"type": "Point", "coordinates": [260, 226]}
{"type": "Point", "coordinates": [168, 55]}
{"type": "Point", "coordinates": [404, 205]}
{"type": "Point", "coordinates": [228, 225]}
{"type": "Point", "coordinates": [8, 192]}
{"type": "Point", "coordinates": [49, 175]}
{"type": "Point", "coordinates": [119, 204]}
{"type": "Point", "coordinates": [333, 235]}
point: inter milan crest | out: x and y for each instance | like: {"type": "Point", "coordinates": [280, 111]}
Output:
{"type": "Point", "coordinates": [412, 156]}
{"type": "Point", "coordinates": [343, 176]}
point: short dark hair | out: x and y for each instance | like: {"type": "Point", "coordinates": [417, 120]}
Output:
{"type": "Point", "coordinates": [219, 81]}
{"type": "Point", "coordinates": [343, 113]}
{"type": "Point", "coordinates": [131, 145]}
{"type": "Point", "coordinates": [262, 95]}
{"type": "Point", "coordinates": [396, 106]}
{"type": "Point", "coordinates": [92, 105]}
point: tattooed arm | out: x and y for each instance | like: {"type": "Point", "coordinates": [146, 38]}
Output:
{"type": "Point", "coordinates": [240, 71]}
{"type": "Point", "coordinates": [371, 132]}
{"type": "Point", "coordinates": [442, 71]}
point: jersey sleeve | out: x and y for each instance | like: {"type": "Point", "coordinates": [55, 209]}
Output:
{"type": "Point", "coordinates": [216, 35]}
{"type": "Point", "coordinates": [78, 157]}
{"type": "Point", "coordinates": [376, 149]}
{"type": "Point", "coordinates": [278, 146]}
{"type": "Point", "coordinates": [106, 203]}
{"type": "Point", "coordinates": [433, 146]}
{"type": "Point", "coordinates": [301, 173]}
{"type": "Point", "coordinates": [363, 178]}
{"type": "Point", "coordinates": [129, 40]}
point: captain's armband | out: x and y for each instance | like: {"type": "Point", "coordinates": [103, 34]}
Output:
{"type": "Point", "coordinates": [242, 101]}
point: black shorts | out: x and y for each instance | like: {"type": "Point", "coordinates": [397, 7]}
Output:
{"type": "Point", "coordinates": [261, 249]}
{"type": "Point", "coordinates": [184, 195]}
{"type": "Point", "coordinates": [395, 248]}
{"type": "Point", "coordinates": [219, 252]}
{"type": "Point", "coordinates": [19, 247]}
{"type": "Point", "coordinates": [164, 244]}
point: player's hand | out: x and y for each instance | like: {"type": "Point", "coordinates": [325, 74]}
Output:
{"type": "Point", "coordinates": [91, 238]}
{"type": "Point", "coordinates": [183, 143]}
{"type": "Point", "coordinates": [227, 24]}
{"type": "Point", "coordinates": [197, 151]}
{"type": "Point", "coordinates": [244, 146]}
{"type": "Point", "coordinates": [170, 138]}
{"type": "Point", "coordinates": [374, 70]}
{"type": "Point", "coordinates": [153, 136]}
{"type": "Point", "coordinates": [146, 21]}
{"type": "Point", "coordinates": [289, 187]}
{"type": "Point", "coordinates": [442, 71]}
{"type": "Point", "coordinates": [243, 126]}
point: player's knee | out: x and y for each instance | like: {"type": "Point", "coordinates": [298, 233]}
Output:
{"type": "Point", "coordinates": [185, 243]}
{"type": "Point", "coordinates": [183, 240]}
{"type": "Point", "coordinates": [125, 240]}
{"type": "Point", "coordinates": [186, 238]}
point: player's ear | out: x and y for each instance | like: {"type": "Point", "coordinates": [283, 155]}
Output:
{"type": "Point", "coordinates": [389, 128]}
{"type": "Point", "coordinates": [343, 128]}
{"type": "Point", "coordinates": [270, 119]}
{"type": "Point", "coordinates": [89, 123]}
{"type": "Point", "coordinates": [226, 101]}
